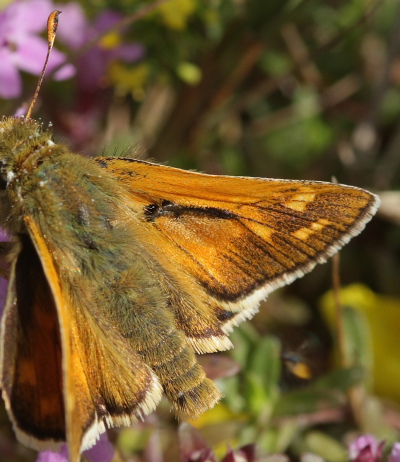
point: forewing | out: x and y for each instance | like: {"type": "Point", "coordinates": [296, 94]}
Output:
{"type": "Point", "coordinates": [238, 238]}
{"type": "Point", "coordinates": [31, 373]}
{"type": "Point", "coordinates": [85, 378]}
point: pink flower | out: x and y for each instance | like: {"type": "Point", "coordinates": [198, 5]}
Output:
{"type": "Point", "coordinates": [395, 453]}
{"type": "Point", "coordinates": [366, 448]}
{"type": "Point", "coordinates": [21, 47]}
{"type": "Point", "coordinates": [72, 26]}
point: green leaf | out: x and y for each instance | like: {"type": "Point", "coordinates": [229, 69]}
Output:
{"type": "Point", "coordinates": [323, 445]}
{"type": "Point", "coordinates": [244, 338]}
{"type": "Point", "coordinates": [265, 363]}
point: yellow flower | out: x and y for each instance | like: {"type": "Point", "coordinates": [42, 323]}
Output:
{"type": "Point", "coordinates": [189, 73]}
{"type": "Point", "coordinates": [110, 41]}
{"type": "Point", "coordinates": [217, 415]}
{"type": "Point", "coordinates": [382, 316]}
{"type": "Point", "coordinates": [129, 79]}
{"type": "Point", "coordinates": [175, 13]}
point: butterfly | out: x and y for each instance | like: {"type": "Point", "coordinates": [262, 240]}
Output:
{"type": "Point", "coordinates": [122, 270]}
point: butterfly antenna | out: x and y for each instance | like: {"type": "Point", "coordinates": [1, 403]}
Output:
{"type": "Point", "coordinates": [52, 24]}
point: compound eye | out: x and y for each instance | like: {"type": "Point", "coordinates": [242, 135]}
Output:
{"type": "Point", "coordinates": [3, 183]}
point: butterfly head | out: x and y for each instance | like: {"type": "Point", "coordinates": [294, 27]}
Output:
{"type": "Point", "coordinates": [23, 143]}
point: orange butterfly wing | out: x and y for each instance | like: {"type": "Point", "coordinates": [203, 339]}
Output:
{"type": "Point", "coordinates": [230, 241]}
{"type": "Point", "coordinates": [30, 333]}
{"type": "Point", "coordinates": [58, 370]}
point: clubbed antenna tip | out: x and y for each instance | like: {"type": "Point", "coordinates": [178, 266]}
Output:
{"type": "Point", "coordinates": [52, 24]}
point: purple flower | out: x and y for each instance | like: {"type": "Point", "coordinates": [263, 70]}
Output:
{"type": "Point", "coordinates": [102, 451]}
{"type": "Point", "coordinates": [96, 61]}
{"type": "Point", "coordinates": [21, 48]}
{"type": "Point", "coordinates": [50, 456]}
{"type": "Point", "coordinates": [366, 448]}
{"type": "Point", "coordinates": [395, 453]}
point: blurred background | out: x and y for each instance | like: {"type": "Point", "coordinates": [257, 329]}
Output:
{"type": "Point", "coordinates": [299, 89]}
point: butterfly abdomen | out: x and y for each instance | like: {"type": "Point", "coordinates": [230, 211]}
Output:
{"type": "Point", "coordinates": [184, 381]}
{"type": "Point", "coordinates": [140, 312]}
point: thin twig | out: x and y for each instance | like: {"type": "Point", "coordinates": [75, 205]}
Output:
{"type": "Point", "coordinates": [338, 309]}
{"type": "Point", "coordinates": [356, 394]}
{"type": "Point", "coordinates": [265, 88]}
{"type": "Point", "coordinates": [313, 418]}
